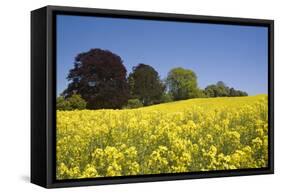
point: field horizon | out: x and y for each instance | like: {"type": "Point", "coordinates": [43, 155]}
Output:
{"type": "Point", "coordinates": [175, 104]}
{"type": "Point", "coordinates": [180, 104]}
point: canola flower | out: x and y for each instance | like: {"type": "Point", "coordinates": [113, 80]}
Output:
{"type": "Point", "coordinates": [183, 136]}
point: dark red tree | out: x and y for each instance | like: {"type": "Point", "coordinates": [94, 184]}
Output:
{"type": "Point", "coordinates": [99, 76]}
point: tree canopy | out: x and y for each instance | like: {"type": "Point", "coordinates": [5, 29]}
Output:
{"type": "Point", "coordinates": [99, 80]}
{"type": "Point", "coordinates": [182, 83]}
{"type": "Point", "coordinates": [220, 89]}
{"type": "Point", "coordinates": [145, 84]}
{"type": "Point", "coordinates": [73, 102]}
{"type": "Point", "coordinates": [99, 76]}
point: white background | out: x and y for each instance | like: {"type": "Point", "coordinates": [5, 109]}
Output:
{"type": "Point", "coordinates": [15, 95]}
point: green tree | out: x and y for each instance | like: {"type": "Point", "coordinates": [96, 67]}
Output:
{"type": "Point", "coordinates": [145, 84]}
{"type": "Point", "coordinates": [182, 84]}
{"type": "Point", "coordinates": [233, 92]}
{"type": "Point", "coordinates": [71, 103]}
{"type": "Point", "coordinates": [63, 104]}
{"type": "Point", "coordinates": [134, 103]}
{"type": "Point", "coordinates": [211, 91]}
{"type": "Point", "coordinates": [221, 90]}
{"type": "Point", "coordinates": [201, 94]}
{"type": "Point", "coordinates": [166, 97]}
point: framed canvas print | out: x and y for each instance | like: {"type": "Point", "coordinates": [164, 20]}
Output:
{"type": "Point", "coordinates": [125, 96]}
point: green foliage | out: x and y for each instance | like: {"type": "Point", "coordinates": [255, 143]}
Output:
{"type": "Point", "coordinates": [200, 94]}
{"type": "Point", "coordinates": [77, 102]}
{"type": "Point", "coordinates": [134, 103]}
{"type": "Point", "coordinates": [73, 102]}
{"type": "Point", "coordinates": [182, 83]}
{"type": "Point", "coordinates": [233, 92]}
{"type": "Point", "coordinates": [63, 104]}
{"type": "Point", "coordinates": [222, 90]}
{"type": "Point", "coordinates": [99, 77]}
{"type": "Point", "coordinates": [211, 91]}
{"type": "Point", "coordinates": [145, 84]}
{"type": "Point", "coordinates": [166, 97]}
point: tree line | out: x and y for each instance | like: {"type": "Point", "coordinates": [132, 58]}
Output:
{"type": "Point", "coordinates": [99, 80]}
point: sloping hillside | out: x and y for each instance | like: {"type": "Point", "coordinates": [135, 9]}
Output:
{"type": "Point", "coordinates": [208, 103]}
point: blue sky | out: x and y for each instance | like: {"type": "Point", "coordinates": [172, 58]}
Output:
{"type": "Point", "coordinates": [236, 55]}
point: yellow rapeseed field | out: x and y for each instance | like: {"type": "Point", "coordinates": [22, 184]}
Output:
{"type": "Point", "coordinates": [183, 136]}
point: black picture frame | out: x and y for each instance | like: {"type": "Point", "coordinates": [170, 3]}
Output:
{"type": "Point", "coordinates": [43, 95]}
